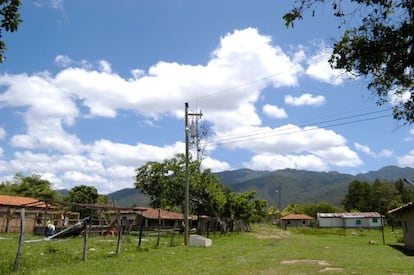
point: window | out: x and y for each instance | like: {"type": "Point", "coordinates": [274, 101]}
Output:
{"type": "Point", "coordinates": [405, 226]}
{"type": "Point", "coordinates": [374, 220]}
{"type": "Point", "coordinates": [358, 222]}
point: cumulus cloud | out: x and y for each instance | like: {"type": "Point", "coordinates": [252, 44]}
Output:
{"type": "Point", "coordinates": [406, 160]}
{"type": "Point", "coordinates": [297, 142]}
{"type": "Point", "coordinates": [271, 162]}
{"type": "Point", "coordinates": [384, 153]}
{"type": "Point", "coordinates": [305, 99]}
{"type": "Point", "coordinates": [274, 111]}
{"type": "Point", "coordinates": [214, 164]}
{"type": "Point", "coordinates": [227, 87]}
{"type": "Point", "coordinates": [320, 69]}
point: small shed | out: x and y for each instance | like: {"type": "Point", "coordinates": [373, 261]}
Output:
{"type": "Point", "coordinates": [297, 220]}
{"type": "Point", "coordinates": [350, 220]}
{"type": "Point", "coordinates": [406, 214]}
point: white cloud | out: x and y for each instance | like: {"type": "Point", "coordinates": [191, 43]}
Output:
{"type": "Point", "coordinates": [55, 4]}
{"type": "Point", "coordinates": [384, 153]}
{"type": "Point", "coordinates": [63, 60]}
{"type": "Point", "coordinates": [215, 165]}
{"type": "Point", "coordinates": [105, 66]}
{"type": "Point", "coordinates": [276, 162]}
{"type": "Point", "coordinates": [305, 99]}
{"type": "Point", "coordinates": [320, 69]}
{"type": "Point", "coordinates": [227, 87]}
{"type": "Point", "coordinates": [365, 149]}
{"type": "Point", "coordinates": [398, 98]}
{"type": "Point", "coordinates": [274, 111]}
{"type": "Point", "coordinates": [406, 160]}
{"type": "Point", "coordinates": [2, 133]}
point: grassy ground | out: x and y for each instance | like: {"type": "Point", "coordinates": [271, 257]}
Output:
{"type": "Point", "coordinates": [266, 250]}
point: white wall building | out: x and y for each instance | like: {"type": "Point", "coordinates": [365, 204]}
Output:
{"type": "Point", "coordinates": [350, 220]}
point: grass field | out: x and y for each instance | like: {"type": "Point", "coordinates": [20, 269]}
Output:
{"type": "Point", "coordinates": [265, 250]}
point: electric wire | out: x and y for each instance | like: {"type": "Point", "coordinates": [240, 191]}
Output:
{"type": "Point", "coordinates": [303, 128]}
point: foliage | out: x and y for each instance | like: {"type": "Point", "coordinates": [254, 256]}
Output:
{"type": "Point", "coordinates": [10, 20]}
{"type": "Point", "coordinates": [244, 207]}
{"type": "Point", "coordinates": [380, 46]}
{"type": "Point", "coordinates": [380, 196]}
{"type": "Point", "coordinates": [83, 194]}
{"type": "Point", "coordinates": [164, 182]}
{"type": "Point", "coordinates": [322, 207]}
{"type": "Point", "coordinates": [29, 186]}
{"type": "Point", "coordinates": [358, 196]}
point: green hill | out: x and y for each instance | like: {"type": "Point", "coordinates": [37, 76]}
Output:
{"type": "Point", "coordinates": [297, 186]}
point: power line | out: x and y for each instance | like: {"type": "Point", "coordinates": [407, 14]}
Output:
{"type": "Point", "coordinates": [239, 86]}
{"type": "Point", "coordinates": [293, 130]}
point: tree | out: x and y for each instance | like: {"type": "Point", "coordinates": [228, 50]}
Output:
{"type": "Point", "coordinates": [10, 20]}
{"type": "Point", "coordinates": [358, 197]}
{"type": "Point", "coordinates": [85, 195]}
{"type": "Point", "coordinates": [314, 208]}
{"type": "Point", "coordinates": [405, 191]}
{"type": "Point", "coordinates": [380, 47]}
{"type": "Point", "coordinates": [243, 207]}
{"type": "Point", "coordinates": [29, 186]}
{"type": "Point", "coordinates": [207, 195]}
{"type": "Point", "coordinates": [384, 197]}
{"type": "Point", "coordinates": [164, 181]}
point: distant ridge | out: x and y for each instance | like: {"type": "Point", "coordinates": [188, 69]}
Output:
{"type": "Point", "coordinates": [297, 186]}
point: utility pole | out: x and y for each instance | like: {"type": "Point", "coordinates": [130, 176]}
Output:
{"type": "Point", "coordinates": [187, 171]}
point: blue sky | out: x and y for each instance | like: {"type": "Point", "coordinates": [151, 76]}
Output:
{"type": "Point", "coordinates": [91, 90]}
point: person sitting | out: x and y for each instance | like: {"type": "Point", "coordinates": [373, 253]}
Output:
{"type": "Point", "coordinates": [50, 228]}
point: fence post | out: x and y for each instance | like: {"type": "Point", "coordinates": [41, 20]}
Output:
{"type": "Point", "coordinates": [21, 240]}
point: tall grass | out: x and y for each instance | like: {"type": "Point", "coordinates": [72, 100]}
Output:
{"type": "Point", "coordinates": [265, 250]}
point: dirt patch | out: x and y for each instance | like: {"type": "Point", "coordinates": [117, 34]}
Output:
{"type": "Point", "coordinates": [319, 262]}
{"type": "Point", "coordinates": [328, 267]}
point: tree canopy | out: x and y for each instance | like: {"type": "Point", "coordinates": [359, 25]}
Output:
{"type": "Point", "coordinates": [164, 183]}
{"type": "Point", "coordinates": [379, 47]}
{"type": "Point", "coordinates": [29, 186]}
{"type": "Point", "coordinates": [10, 20]}
{"type": "Point", "coordinates": [380, 196]}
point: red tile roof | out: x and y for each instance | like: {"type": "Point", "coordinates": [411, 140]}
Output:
{"type": "Point", "coordinates": [297, 217]}
{"type": "Point", "coordinates": [7, 200]}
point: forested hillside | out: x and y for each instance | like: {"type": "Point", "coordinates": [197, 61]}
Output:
{"type": "Point", "coordinates": [297, 186]}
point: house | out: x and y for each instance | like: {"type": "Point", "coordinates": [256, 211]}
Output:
{"type": "Point", "coordinates": [297, 220]}
{"type": "Point", "coordinates": [37, 212]}
{"type": "Point", "coordinates": [149, 218]}
{"type": "Point", "coordinates": [350, 220]}
{"type": "Point", "coordinates": [406, 214]}
{"type": "Point", "coordinates": [10, 207]}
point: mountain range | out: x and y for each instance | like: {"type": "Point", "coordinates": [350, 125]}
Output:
{"type": "Point", "coordinates": [295, 186]}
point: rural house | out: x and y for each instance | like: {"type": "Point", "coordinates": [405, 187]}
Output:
{"type": "Point", "coordinates": [406, 214]}
{"type": "Point", "coordinates": [149, 218]}
{"type": "Point", "coordinates": [350, 220]}
{"type": "Point", "coordinates": [37, 212]}
{"type": "Point", "coordinates": [297, 220]}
